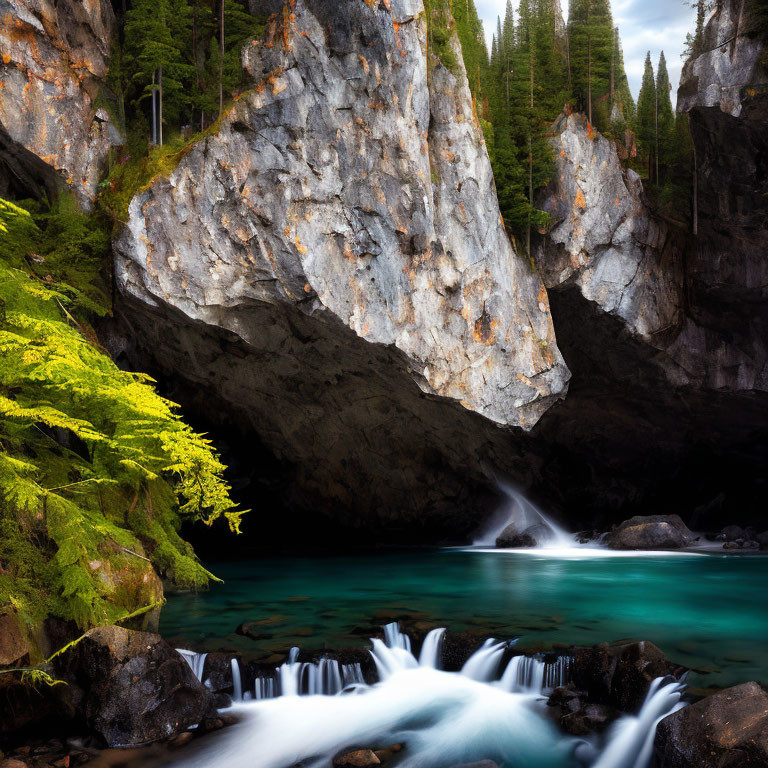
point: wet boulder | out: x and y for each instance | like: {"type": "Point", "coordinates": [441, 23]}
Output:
{"type": "Point", "coordinates": [131, 687]}
{"type": "Point", "coordinates": [729, 728]}
{"type": "Point", "coordinates": [619, 674]}
{"type": "Point", "coordinates": [651, 532]}
{"type": "Point", "coordinates": [732, 533]}
{"type": "Point", "coordinates": [359, 758]}
{"type": "Point", "coordinates": [512, 537]}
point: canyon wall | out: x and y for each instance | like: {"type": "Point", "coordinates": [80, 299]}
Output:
{"type": "Point", "coordinates": [332, 265]}
{"type": "Point", "coordinates": [54, 133]}
{"type": "Point", "coordinates": [326, 283]}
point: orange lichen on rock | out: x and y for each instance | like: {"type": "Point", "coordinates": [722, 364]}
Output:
{"type": "Point", "coordinates": [580, 201]}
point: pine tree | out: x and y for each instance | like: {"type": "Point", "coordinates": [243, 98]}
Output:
{"type": "Point", "coordinates": [155, 36]}
{"type": "Point", "coordinates": [665, 122]}
{"type": "Point", "coordinates": [646, 113]}
{"type": "Point", "coordinates": [469, 28]}
{"type": "Point", "coordinates": [591, 36]}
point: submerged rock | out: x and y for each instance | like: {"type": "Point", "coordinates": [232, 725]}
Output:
{"type": "Point", "coordinates": [54, 132]}
{"type": "Point", "coordinates": [726, 730]}
{"type": "Point", "coordinates": [651, 532]}
{"type": "Point", "coordinates": [132, 687]}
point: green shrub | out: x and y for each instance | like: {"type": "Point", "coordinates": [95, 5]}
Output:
{"type": "Point", "coordinates": [93, 463]}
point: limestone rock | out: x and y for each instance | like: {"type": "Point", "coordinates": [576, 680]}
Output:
{"type": "Point", "coordinates": [729, 728]}
{"type": "Point", "coordinates": [602, 238]}
{"type": "Point", "coordinates": [729, 61]}
{"type": "Point", "coordinates": [52, 131]}
{"type": "Point", "coordinates": [132, 687]}
{"type": "Point", "coordinates": [345, 210]}
{"type": "Point", "coordinates": [651, 532]}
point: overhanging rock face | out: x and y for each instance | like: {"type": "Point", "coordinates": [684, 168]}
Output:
{"type": "Point", "coordinates": [342, 230]}
{"type": "Point", "coordinates": [52, 133]}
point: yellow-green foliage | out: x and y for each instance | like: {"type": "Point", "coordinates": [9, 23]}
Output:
{"type": "Point", "coordinates": [136, 171]}
{"type": "Point", "coordinates": [93, 463]}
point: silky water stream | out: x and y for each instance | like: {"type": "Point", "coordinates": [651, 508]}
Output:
{"type": "Point", "coordinates": [307, 712]}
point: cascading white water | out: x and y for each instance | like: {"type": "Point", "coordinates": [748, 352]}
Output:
{"type": "Point", "coordinates": [195, 660]}
{"type": "Point", "coordinates": [443, 718]}
{"type": "Point", "coordinates": [518, 509]}
{"type": "Point", "coordinates": [237, 685]}
{"type": "Point", "coordinates": [324, 677]}
{"type": "Point", "coordinates": [431, 650]}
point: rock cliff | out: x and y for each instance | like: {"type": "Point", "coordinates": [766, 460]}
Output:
{"type": "Point", "coordinates": [724, 91]}
{"type": "Point", "coordinates": [52, 132]}
{"type": "Point", "coordinates": [663, 329]}
{"type": "Point", "coordinates": [332, 264]}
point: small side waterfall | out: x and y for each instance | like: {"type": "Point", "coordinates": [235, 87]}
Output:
{"type": "Point", "coordinates": [518, 509]}
{"type": "Point", "coordinates": [195, 660]}
{"type": "Point", "coordinates": [631, 739]}
{"type": "Point", "coordinates": [324, 677]}
{"type": "Point", "coordinates": [237, 684]}
{"type": "Point", "coordinates": [431, 651]}
{"type": "Point", "coordinates": [304, 713]}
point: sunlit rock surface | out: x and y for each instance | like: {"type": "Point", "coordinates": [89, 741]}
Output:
{"type": "Point", "coordinates": [342, 229]}
{"type": "Point", "coordinates": [52, 131]}
{"type": "Point", "coordinates": [602, 237]}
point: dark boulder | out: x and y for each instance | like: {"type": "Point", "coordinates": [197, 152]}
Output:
{"type": "Point", "coordinates": [618, 674]}
{"type": "Point", "coordinates": [732, 533]}
{"type": "Point", "coordinates": [726, 730]}
{"type": "Point", "coordinates": [651, 532]}
{"type": "Point", "coordinates": [132, 688]}
{"type": "Point", "coordinates": [762, 539]}
{"type": "Point", "coordinates": [513, 538]}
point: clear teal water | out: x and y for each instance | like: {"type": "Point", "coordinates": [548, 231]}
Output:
{"type": "Point", "coordinates": [708, 612]}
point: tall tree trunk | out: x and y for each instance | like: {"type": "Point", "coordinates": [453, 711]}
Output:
{"type": "Point", "coordinates": [657, 135]}
{"type": "Point", "coordinates": [589, 77]}
{"type": "Point", "coordinates": [613, 70]}
{"type": "Point", "coordinates": [221, 59]}
{"type": "Point", "coordinates": [153, 140]}
{"type": "Point", "coordinates": [160, 110]}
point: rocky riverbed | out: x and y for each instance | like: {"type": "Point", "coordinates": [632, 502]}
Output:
{"type": "Point", "coordinates": [131, 699]}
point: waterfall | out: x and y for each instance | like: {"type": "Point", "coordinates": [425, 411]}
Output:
{"type": "Point", "coordinates": [195, 660]}
{"type": "Point", "coordinates": [237, 685]}
{"type": "Point", "coordinates": [518, 509]}
{"type": "Point", "coordinates": [305, 712]}
{"type": "Point", "coordinates": [529, 674]}
{"type": "Point", "coordinates": [631, 738]}
{"type": "Point", "coordinates": [432, 649]}
{"type": "Point", "coordinates": [483, 664]}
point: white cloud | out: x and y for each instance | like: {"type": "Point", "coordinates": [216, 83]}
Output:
{"type": "Point", "coordinates": [655, 25]}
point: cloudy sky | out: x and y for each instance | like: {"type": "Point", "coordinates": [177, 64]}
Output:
{"type": "Point", "coordinates": [655, 25]}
